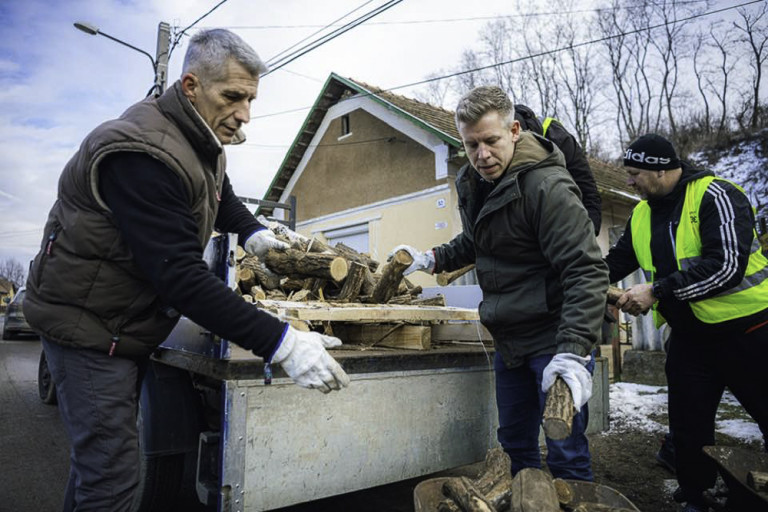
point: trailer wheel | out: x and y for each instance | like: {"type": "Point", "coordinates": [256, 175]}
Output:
{"type": "Point", "coordinates": [160, 478]}
{"type": "Point", "coordinates": [45, 386]}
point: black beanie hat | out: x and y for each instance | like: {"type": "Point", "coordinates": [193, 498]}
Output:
{"type": "Point", "coordinates": [651, 152]}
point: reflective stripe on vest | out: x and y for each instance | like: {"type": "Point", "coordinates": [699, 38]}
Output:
{"type": "Point", "coordinates": [746, 298]}
{"type": "Point", "coordinates": [545, 125]}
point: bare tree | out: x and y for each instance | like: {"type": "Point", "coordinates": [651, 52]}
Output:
{"type": "Point", "coordinates": [754, 27]}
{"type": "Point", "coordinates": [724, 45]}
{"type": "Point", "coordinates": [13, 271]}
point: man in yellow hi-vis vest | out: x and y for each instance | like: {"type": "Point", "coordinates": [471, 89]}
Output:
{"type": "Point", "coordinates": [694, 237]}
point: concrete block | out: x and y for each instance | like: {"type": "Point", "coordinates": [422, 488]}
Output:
{"type": "Point", "coordinates": [644, 367]}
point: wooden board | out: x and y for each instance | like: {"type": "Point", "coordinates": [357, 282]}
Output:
{"type": "Point", "coordinates": [414, 337]}
{"type": "Point", "coordinates": [466, 331]}
{"type": "Point", "coordinates": [373, 313]}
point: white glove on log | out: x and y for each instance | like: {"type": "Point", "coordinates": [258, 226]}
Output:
{"type": "Point", "coordinates": [262, 241]}
{"type": "Point", "coordinates": [572, 369]}
{"type": "Point", "coordinates": [424, 261]}
{"type": "Point", "coordinates": [304, 358]}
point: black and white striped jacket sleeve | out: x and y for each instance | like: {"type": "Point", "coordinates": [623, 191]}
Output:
{"type": "Point", "coordinates": [727, 234]}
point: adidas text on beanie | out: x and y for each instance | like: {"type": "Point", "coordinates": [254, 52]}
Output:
{"type": "Point", "coordinates": [651, 152]}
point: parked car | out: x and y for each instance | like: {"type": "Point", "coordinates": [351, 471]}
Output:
{"type": "Point", "coordinates": [15, 323]}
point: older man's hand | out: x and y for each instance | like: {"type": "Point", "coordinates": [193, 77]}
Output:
{"type": "Point", "coordinates": [637, 300]}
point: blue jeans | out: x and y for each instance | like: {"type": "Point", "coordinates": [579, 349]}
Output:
{"type": "Point", "coordinates": [520, 402]}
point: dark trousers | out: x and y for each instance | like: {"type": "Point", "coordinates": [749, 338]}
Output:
{"type": "Point", "coordinates": [698, 370]}
{"type": "Point", "coordinates": [520, 402]}
{"type": "Point", "coordinates": [97, 397]}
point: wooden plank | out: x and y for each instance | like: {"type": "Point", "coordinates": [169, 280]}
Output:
{"type": "Point", "coordinates": [466, 331]}
{"type": "Point", "coordinates": [414, 337]}
{"type": "Point", "coordinates": [372, 313]}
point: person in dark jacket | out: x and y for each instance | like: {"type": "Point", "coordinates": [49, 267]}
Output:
{"type": "Point", "coordinates": [575, 160]}
{"type": "Point", "coordinates": [121, 259]}
{"type": "Point", "coordinates": [693, 235]}
{"type": "Point", "coordinates": [539, 267]}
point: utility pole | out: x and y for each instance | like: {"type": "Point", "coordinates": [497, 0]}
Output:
{"type": "Point", "coordinates": [161, 57]}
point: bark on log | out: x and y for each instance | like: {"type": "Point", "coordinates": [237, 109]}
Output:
{"type": "Point", "coordinates": [446, 278]}
{"type": "Point", "coordinates": [353, 283]}
{"type": "Point", "coordinates": [448, 506]}
{"type": "Point", "coordinates": [245, 279]}
{"type": "Point", "coordinates": [495, 482]}
{"type": "Point", "coordinates": [533, 491]}
{"type": "Point", "coordinates": [391, 275]}
{"type": "Point", "coordinates": [614, 294]}
{"type": "Point", "coordinates": [466, 495]}
{"type": "Point", "coordinates": [564, 491]}
{"type": "Point", "coordinates": [292, 263]}
{"type": "Point", "coordinates": [437, 300]}
{"type": "Point", "coordinates": [268, 280]}
{"type": "Point", "coordinates": [257, 293]}
{"type": "Point", "coordinates": [352, 255]}
{"type": "Point", "coordinates": [558, 411]}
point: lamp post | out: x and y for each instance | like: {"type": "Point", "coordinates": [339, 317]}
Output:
{"type": "Point", "coordinates": [159, 62]}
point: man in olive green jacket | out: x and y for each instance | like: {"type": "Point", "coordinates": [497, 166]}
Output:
{"type": "Point", "coordinates": [540, 270]}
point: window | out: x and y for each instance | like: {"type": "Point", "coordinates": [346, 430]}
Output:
{"type": "Point", "coordinates": [345, 129]}
{"type": "Point", "coordinates": [355, 236]}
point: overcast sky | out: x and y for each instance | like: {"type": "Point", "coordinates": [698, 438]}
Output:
{"type": "Point", "coordinates": [57, 83]}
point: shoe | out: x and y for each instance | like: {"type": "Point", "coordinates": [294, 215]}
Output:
{"type": "Point", "coordinates": [666, 455]}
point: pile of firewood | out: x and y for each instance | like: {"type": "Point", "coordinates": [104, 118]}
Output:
{"type": "Point", "coordinates": [531, 490]}
{"type": "Point", "coordinates": [310, 270]}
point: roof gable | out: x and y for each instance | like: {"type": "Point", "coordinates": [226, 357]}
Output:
{"type": "Point", "coordinates": [435, 120]}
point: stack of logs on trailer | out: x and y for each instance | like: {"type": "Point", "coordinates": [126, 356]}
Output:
{"type": "Point", "coordinates": [311, 270]}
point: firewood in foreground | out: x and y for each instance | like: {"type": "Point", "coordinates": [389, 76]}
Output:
{"type": "Point", "coordinates": [558, 411]}
{"type": "Point", "coordinates": [463, 492]}
{"type": "Point", "coordinates": [533, 491]}
{"type": "Point", "coordinates": [758, 480]}
{"type": "Point", "coordinates": [446, 278]}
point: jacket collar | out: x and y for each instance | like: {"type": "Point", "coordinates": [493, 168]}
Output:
{"type": "Point", "coordinates": [177, 107]}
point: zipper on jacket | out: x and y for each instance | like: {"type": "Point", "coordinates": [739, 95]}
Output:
{"type": "Point", "coordinates": [115, 341]}
{"type": "Point", "coordinates": [49, 244]}
{"type": "Point", "coordinates": [672, 239]}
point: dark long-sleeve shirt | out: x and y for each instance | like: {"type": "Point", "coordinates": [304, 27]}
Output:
{"type": "Point", "coordinates": [150, 206]}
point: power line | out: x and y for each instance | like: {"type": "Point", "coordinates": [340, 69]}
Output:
{"type": "Point", "coordinates": [454, 20]}
{"type": "Point", "coordinates": [272, 59]}
{"type": "Point", "coordinates": [178, 36]}
{"type": "Point", "coordinates": [530, 57]}
{"type": "Point", "coordinates": [336, 33]}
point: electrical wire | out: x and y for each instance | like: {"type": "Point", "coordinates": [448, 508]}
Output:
{"type": "Point", "coordinates": [332, 35]}
{"type": "Point", "coordinates": [528, 57]}
{"type": "Point", "coordinates": [275, 57]}
{"type": "Point", "coordinates": [178, 36]}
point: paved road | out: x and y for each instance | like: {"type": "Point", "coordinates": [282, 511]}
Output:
{"type": "Point", "coordinates": [34, 450]}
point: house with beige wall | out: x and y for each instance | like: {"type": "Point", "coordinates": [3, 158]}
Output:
{"type": "Point", "coordinates": [374, 169]}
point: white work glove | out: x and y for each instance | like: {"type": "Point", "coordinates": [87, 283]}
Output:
{"type": "Point", "coordinates": [304, 358]}
{"type": "Point", "coordinates": [573, 370]}
{"type": "Point", "coordinates": [262, 241]}
{"type": "Point", "coordinates": [424, 261]}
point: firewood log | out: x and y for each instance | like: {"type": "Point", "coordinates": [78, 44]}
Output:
{"type": "Point", "coordinates": [353, 283]}
{"type": "Point", "coordinates": [558, 411]}
{"type": "Point", "coordinates": [437, 300]}
{"type": "Point", "coordinates": [446, 278]}
{"type": "Point", "coordinates": [391, 275]}
{"type": "Point", "coordinates": [352, 255]}
{"type": "Point", "coordinates": [257, 293]}
{"type": "Point", "coordinates": [564, 491]}
{"type": "Point", "coordinates": [533, 491]}
{"type": "Point", "coordinates": [495, 482]}
{"type": "Point", "coordinates": [466, 495]}
{"type": "Point", "coordinates": [266, 279]}
{"type": "Point", "coordinates": [291, 262]}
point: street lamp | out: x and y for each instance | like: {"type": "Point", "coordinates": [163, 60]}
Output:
{"type": "Point", "coordinates": [159, 66]}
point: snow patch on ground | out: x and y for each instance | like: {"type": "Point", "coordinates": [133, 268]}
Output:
{"type": "Point", "coordinates": [634, 407]}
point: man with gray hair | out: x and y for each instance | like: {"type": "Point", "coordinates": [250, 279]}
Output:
{"type": "Point", "coordinates": [539, 267]}
{"type": "Point", "coordinates": [121, 260]}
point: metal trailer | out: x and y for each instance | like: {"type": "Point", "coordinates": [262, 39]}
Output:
{"type": "Point", "coordinates": [210, 423]}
